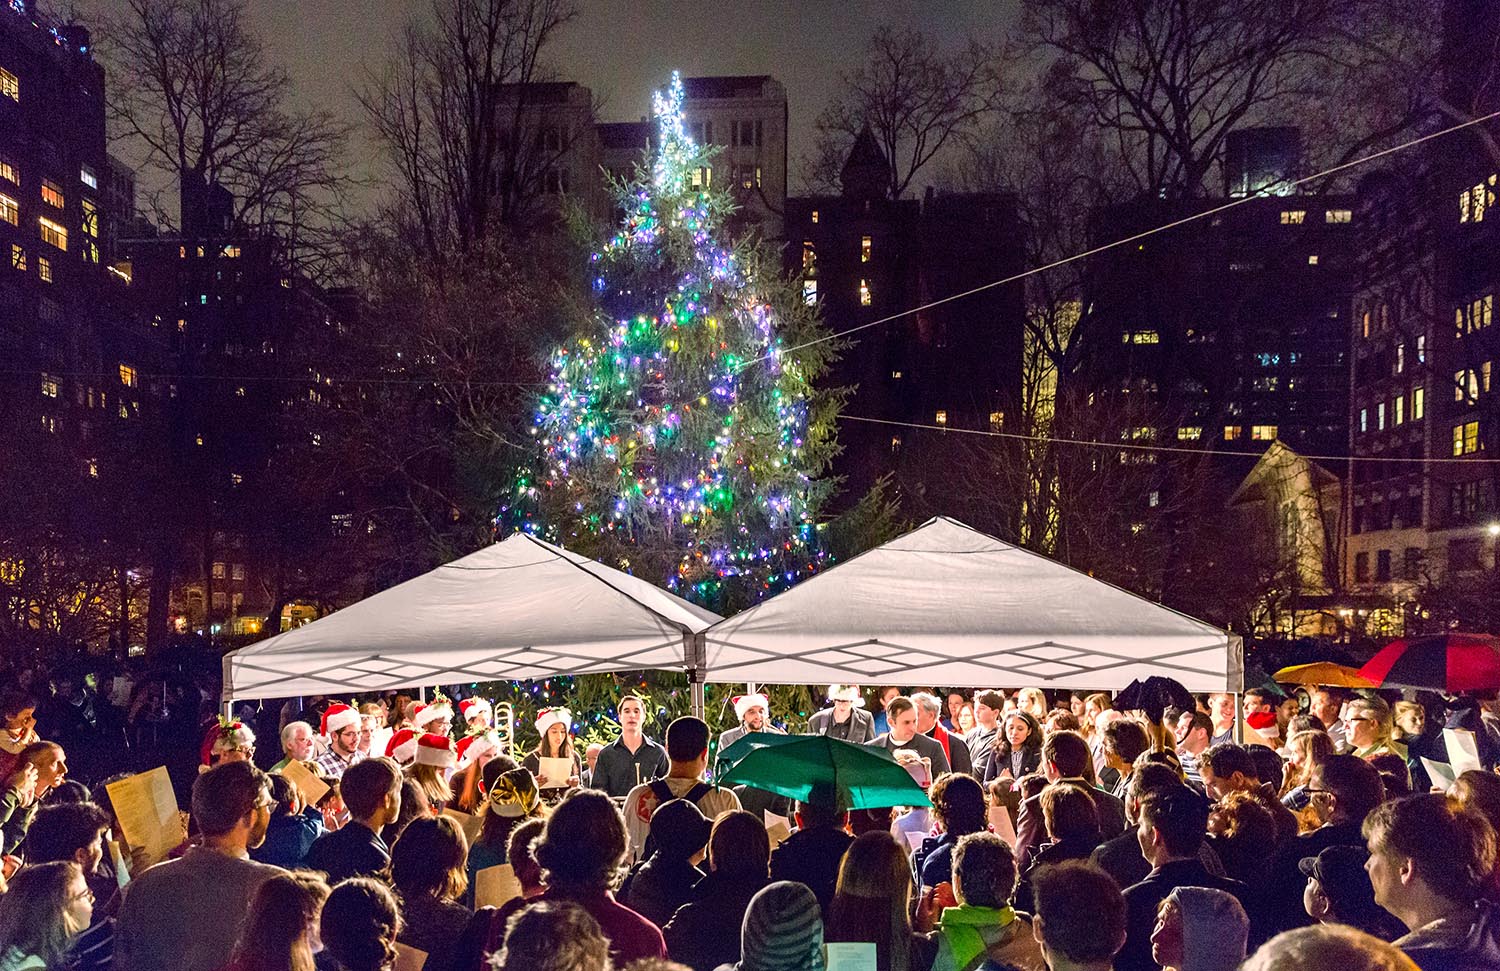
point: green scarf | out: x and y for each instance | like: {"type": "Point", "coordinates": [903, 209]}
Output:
{"type": "Point", "coordinates": [962, 940]}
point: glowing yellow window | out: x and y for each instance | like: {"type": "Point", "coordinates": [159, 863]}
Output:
{"type": "Point", "coordinates": [864, 249]}
{"type": "Point", "coordinates": [864, 293]}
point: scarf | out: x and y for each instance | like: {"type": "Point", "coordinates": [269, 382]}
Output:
{"type": "Point", "coordinates": [963, 936]}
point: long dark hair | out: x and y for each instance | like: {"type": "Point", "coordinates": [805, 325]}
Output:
{"type": "Point", "coordinates": [359, 925]}
{"type": "Point", "coordinates": [1033, 743]}
{"type": "Point", "coordinates": [276, 935]}
{"type": "Point", "coordinates": [33, 914]}
{"type": "Point", "coordinates": [428, 859]}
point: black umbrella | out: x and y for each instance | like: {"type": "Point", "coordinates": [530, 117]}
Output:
{"type": "Point", "coordinates": [1153, 696]}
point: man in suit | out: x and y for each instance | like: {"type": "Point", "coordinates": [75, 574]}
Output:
{"type": "Point", "coordinates": [929, 708]}
{"type": "Point", "coordinates": [902, 715]}
{"type": "Point", "coordinates": [751, 711]}
{"type": "Point", "coordinates": [1065, 756]}
{"type": "Point", "coordinates": [847, 719]}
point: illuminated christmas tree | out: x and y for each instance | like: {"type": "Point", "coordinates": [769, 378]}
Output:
{"type": "Point", "coordinates": [678, 438]}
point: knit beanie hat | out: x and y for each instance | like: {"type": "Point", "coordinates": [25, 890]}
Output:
{"type": "Point", "coordinates": [1214, 928]}
{"type": "Point", "coordinates": [783, 930]}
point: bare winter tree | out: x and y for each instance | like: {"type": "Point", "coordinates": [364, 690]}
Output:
{"type": "Point", "coordinates": [192, 90]}
{"type": "Point", "coordinates": [457, 115]}
{"type": "Point", "coordinates": [917, 100]}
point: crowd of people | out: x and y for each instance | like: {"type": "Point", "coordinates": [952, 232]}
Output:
{"type": "Point", "coordinates": [1266, 833]}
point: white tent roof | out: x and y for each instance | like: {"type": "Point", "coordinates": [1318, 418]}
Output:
{"type": "Point", "coordinates": [946, 604]}
{"type": "Point", "coordinates": [518, 609]}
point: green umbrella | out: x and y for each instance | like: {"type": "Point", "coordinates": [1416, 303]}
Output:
{"type": "Point", "coordinates": [810, 768]}
{"type": "Point", "coordinates": [746, 744]}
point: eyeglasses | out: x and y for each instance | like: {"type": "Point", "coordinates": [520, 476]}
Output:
{"type": "Point", "coordinates": [348, 731]}
{"type": "Point", "coordinates": [1320, 792]}
{"type": "Point", "coordinates": [87, 894]}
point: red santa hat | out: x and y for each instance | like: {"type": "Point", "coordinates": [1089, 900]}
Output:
{"type": "Point", "coordinates": [1264, 724]}
{"type": "Point", "coordinates": [402, 747]}
{"type": "Point", "coordinates": [743, 703]}
{"type": "Point", "coordinates": [476, 747]}
{"type": "Point", "coordinates": [548, 717]}
{"type": "Point", "coordinates": [337, 718]}
{"type": "Point", "coordinates": [475, 708]}
{"type": "Point", "coordinates": [437, 710]}
{"type": "Point", "coordinates": [223, 736]}
{"type": "Point", "coordinates": [433, 749]}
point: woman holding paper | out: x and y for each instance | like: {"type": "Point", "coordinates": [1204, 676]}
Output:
{"type": "Point", "coordinates": [554, 762]}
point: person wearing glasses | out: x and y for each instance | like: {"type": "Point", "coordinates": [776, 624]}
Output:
{"type": "Point", "coordinates": [48, 906]}
{"type": "Point", "coordinates": [341, 726]}
{"type": "Point", "coordinates": [1367, 728]}
{"type": "Point", "coordinates": [227, 741]}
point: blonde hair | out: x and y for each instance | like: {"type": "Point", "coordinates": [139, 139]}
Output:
{"type": "Point", "coordinates": [1032, 700]}
{"type": "Point", "coordinates": [1308, 749]}
{"type": "Point", "coordinates": [430, 779]}
{"type": "Point", "coordinates": [1408, 719]}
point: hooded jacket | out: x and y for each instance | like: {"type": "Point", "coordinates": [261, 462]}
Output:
{"type": "Point", "coordinates": [1214, 929]}
{"type": "Point", "coordinates": [969, 936]}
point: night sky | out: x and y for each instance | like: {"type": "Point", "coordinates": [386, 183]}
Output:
{"type": "Point", "coordinates": [623, 48]}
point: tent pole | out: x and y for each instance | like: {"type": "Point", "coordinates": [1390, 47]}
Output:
{"type": "Point", "coordinates": [695, 686]}
{"type": "Point", "coordinates": [694, 646]}
{"type": "Point", "coordinates": [226, 694]}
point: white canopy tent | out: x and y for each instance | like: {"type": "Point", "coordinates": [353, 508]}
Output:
{"type": "Point", "coordinates": [946, 604]}
{"type": "Point", "coordinates": [518, 609]}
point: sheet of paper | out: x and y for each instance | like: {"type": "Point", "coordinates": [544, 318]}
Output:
{"type": "Point", "coordinates": [1463, 753]}
{"type": "Point", "coordinates": [409, 958]}
{"type": "Point", "coordinates": [914, 840]}
{"type": "Point", "coordinates": [849, 957]}
{"type": "Point", "coordinates": [146, 807]}
{"type": "Point", "coordinates": [554, 772]}
{"type": "Point", "coordinates": [1001, 825]}
{"type": "Point", "coordinates": [379, 739]}
{"type": "Point", "coordinates": [1440, 773]}
{"type": "Point", "coordinates": [778, 828]}
{"type": "Point", "coordinates": [122, 866]}
{"type": "Point", "coordinates": [310, 786]}
{"type": "Point", "coordinates": [495, 885]}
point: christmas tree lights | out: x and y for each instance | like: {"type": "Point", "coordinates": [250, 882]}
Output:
{"type": "Point", "coordinates": [677, 438]}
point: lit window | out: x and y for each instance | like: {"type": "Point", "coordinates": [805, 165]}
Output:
{"type": "Point", "coordinates": [1154, 499]}
{"type": "Point", "coordinates": [864, 293]}
{"type": "Point", "coordinates": [1293, 217]}
{"type": "Point", "coordinates": [810, 291]}
{"type": "Point", "coordinates": [1143, 337]}
{"type": "Point", "coordinates": [997, 420]}
{"type": "Point", "coordinates": [8, 171]}
{"type": "Point", "coordinates": [809, 257]}
{"type": "Point", "coordinates": [1138, 433]}
{"type": "Point", "coordinates": [44, 269]}
{"type": "Point", "coordinates": [52, 194]}
{"type": "Point", "coordinates": [864, 249]}
{"type": "Point", "coordinates": [49, 424]}
{"type": "Point", "coordinates": [1232, 432]}
{"type": "Point", "coordinates": [815, 217]}
{"type": "Point", "coordinates": [1398, 409]}
{"type": "Point", "coordinates": [941, 418]}
{"type": "Point", "coordinates": [1421, 348]}
{"type": "Point", "coordinates": [87, 177]}
{"type": "Point", "coordinates": [1466, 438]}
{"type": "Point", "coordinates": [1263, 433]}
{"type": "Point", "coordinates": [1475, 201]}
{"type": "Point", "coordinates": [128, 376]}
{"type": "Point", "coordinates": [10, 210]}
{"type": "Point", "coordinates": [1364, 324]}
{"type": "Point", "coordinates": [90, 226]}
{"type": "Point", "coordinates": [198, 439]}
{"type": "Point", "coordinates": [1418, 403]}
{"type": "Point", "coordinates": [1312, 259]}
{"type": "Point", "coordinates": [1364, 419]}
{"type": "Point", "coordinates": [53, 233]}
{"type": "Point", "coordinates": [895, 375]}
{"type": "Point", "coordinates": [240, 391]}
{"type": "Point", "coordinates": [1380, 417]}
{"type": "Point", "coordinates": [1484, 376]}
{"type": "Point", "coordinates": [702, 177]}
{"type": "Point", "coordinates": [235, 478]}
{"type": "Point", "coordinates": [1189, 433]}
{"type": "Point", "coordinates": [49, 386]}
{"type": "Point", "coordinates": [218, 571]}
{"type": "Point", "coordinates": [231, 252]}
{"type": "Point", "coordinates": [237, 572]}
{"type": "Point", "coordinates": [94, 468]}
{"type": "Point", "coordinates": [1338, 216]}
{"type": "Point", "coordinates": [10, 85]}
{"type": "Point", "coordinates": [17, 257]}
{"type": "Point", "coordinates": [895, 443]}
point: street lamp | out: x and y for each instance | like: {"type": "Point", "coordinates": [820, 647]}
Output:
{"type": "Point", "coordinates": [1494, 529]}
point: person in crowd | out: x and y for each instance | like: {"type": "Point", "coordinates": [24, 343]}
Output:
{"type": "Point", "coordinates": [1393, 773]}
{"type": "Point", "coordinates": [1409, 730]}
{"type": "Point", "coordinates": [1428, 865]}
{"type": "Point", "coordinates": [873, 903]}
{"type": "Point", "coordinates": [280, 932]}
{"type": "Point", "coordinates": [1124, 741]}
{"type": "Point", "coordinates": [1033, 701]}
{"type": "Point", "coordinates": [1242, 834]}
{"type": "Point", "coordinates": [1256, 701]}
{"type": "Point", "coordinates": [1326, 704]}
{"type": "Point", "coordinates": [847, 719]}
{"type": "Point", "coordinates": [581, 853]}
{"type": "Point", "coordinates": [664, 880]}
{"type": "Point", "coordinates": [983, 739]}
{"type": "Point", "coordinates": [478, 715]}
{"type": "Point", "coordinates": [359, 925]}
{"type": "Point", "coordinates": [1344, 790]}
{"type": "Point", "coordinates": [429, 872]}
{"type": "Point", "coordinates": [882, 697]}
{"type": "Point", "coordinates": [1268, 767]}
{"type": "Point", "coordinates": [226, 741]}
{"type": "Point", "coordinates": [1065, 758]}
{"type": "Point", "coordinates": [901, 714]}
{"type": "Point", "coordinates": [1367, 728]}
{"type": "Point", "coordinates": [687, 755]}
{"type": "Point", "coordinates": [1072, 822]}
{"type": "Point", "coordinates": [554, 729]}
{"type": "Point", "coordinates": [39, 768]}
{"type": "Point", "coordinates": [631, 759]}
{"type": "Point", "coordinates": [371, 735]}
{"type": "Point", "coordinates": [554, 936]}
{"type": "Point", "coordinates": [1171, 831]}
{"type": "Point", "coordinates": [1106, 777]}
{"type": "Point", "coordinates": [1304, 750]}
{"type": "Point", "coordinates": [1080, 917]}
{"type": "Point", "coordinates": [434, 717]}
{"type": "Point", "coordinates": [958, 808]}
{"type": "Point", "coordinates": [966, 724]}
{"type": "Point", "coordinates": [953, 703]}
{"type": "Point", "coordinates": [47, 906]}
{"type": "Point", "coordinates": [429, 769]}
{"type": "Point", "coordinates": [512, 800]}
{"type": "Point", "coordinates": [782, 931]}
{"type": "Point", "coordinates": [294, 827]}
{"type": "Point", "coordinates": [472, 754]}
{"type": "Point", "coordinates": [812, 855]}
{"type": "Point", "coordinates": [372, 794]}
{"type": "Point", "coordinates": [983, 925]}
{"type": "Point", "coordinates": [752, 711]}
{"type": "Point", "coordinates": [402, 746]}
{"type": "Point", "coordinates": [954, 750]}
{"type": "Point", "coordinates": [1228, 767]}
{"type": "Point", "coordinates": [1122, 857]}
{"type": "Point", "coordinates": [1338, 891]}
{"type": "Point", "coordinates": [296, 744]}
{"type": "Point", "coordinates": [591, 762]}
{"type": "Point", "coordinates": [1478, 792]}
{"type": "Point", "coordinates": [340, 725]}
{"type": "Point", "coordinates": [1327, 946]}
{"type": "Point", "coordinates": [485, 933]}
{"type": "Point", "coordinates": [413, 806]}
{"type": "Point", "coordinates": [1060, 721]}
{"type": "Point", "coordinates": [1222, 711]}
{"type": "Point", "coordinates": [1016, 749]}
{"type": "Point", "coordinates": [18, 715]}
{"type": "Point", "coordinates": [738, 858]}
{"type": "Point", "coordinates": [1199, 929]}
{"type": "Point", "coordinates": [185, 914]}
{"type": "Point", "coordinates": [1194, 730]}
{"type": "Point", "coordinates": [73, 832]}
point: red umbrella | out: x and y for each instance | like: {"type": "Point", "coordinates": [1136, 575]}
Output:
{"type": "Point", "coordinates": [1451, 662]}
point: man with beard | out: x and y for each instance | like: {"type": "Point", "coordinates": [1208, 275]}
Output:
{"type": "Point", "coordinates": [632, 758]}
{"type": "Point", "coordinates": [184, 914]}
{"type": "Point", "coordinates": [751, 711]}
